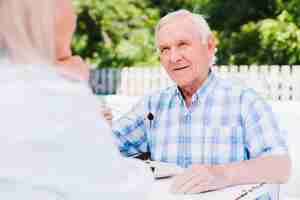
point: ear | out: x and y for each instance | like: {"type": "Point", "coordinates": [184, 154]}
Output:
{"type": "Point", "coordinates": [211, 45]}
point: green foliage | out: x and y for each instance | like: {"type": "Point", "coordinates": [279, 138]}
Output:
{"type": "Point", "coordinates": [166, 6]}
{"type": "Point", "coordinates": [269, 41]}
{"type": "Point", "coordinates": [293, 7]}
{"type": "Point", "coordinates": [230, 15]}
{"type": "Point", "coordinates": [115, 33]}
{"type": "Point", "coordinates": [118, 33]}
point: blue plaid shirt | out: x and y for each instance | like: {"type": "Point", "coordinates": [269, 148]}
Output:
{"type": "Point", "coordinates": [225, 123]}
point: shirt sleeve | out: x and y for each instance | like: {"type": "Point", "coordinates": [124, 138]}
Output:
{"type": "Point", "coordinates": [262, 134]}
{"type": "Point", "coordinates": [130, 130]}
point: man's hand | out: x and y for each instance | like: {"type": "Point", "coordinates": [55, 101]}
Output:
{"type": "Point", "coordinates": [200, 178]}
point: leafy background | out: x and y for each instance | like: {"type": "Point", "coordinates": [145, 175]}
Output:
{"type": "Point", "coordinates": [120, 33]}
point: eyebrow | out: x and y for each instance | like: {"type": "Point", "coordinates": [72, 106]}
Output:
{"type": "Point", "coordinates": [163, 46]}
{"type": "Point", "coordinates": [183, 40]}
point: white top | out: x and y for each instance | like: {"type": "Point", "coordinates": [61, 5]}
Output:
{"type": "Point", "coordinates": [53, 141]}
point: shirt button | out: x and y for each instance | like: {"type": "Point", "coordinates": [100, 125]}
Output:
{"type": "Point", "coordinates": [188, 116]}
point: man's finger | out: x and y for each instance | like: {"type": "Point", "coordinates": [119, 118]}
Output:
{"type": "Point", "coordinates": [181, 180]}
{"type": "Point", "coordinates": [203, 187]}
{"type": "Point", "coordinates": [191, 184]}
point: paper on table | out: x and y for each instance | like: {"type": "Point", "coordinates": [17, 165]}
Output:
{"type": "Point", "coordinates": [161, 190]}
{"type": "Point", "coordinates": [164, 170]}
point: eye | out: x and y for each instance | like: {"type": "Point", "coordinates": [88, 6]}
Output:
{"type": "Point", "coordinates": [164, 50]}
{"type": "Point", "coordinates": [182, 44]}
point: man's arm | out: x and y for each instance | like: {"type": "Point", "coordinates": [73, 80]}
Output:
{"type": "Point", "coordinates": [268, 169]}
{"type": "Point", "coordinates": [129, 130]}
{"type": "Point", "coordinates": [200, 178]}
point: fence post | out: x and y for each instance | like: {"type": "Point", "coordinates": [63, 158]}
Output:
{"type": "Point", "coordinates": [155, 79]}
{"type": "Point", "coordinates": [244, 71]}
{"type": "Point", "coordinates": [296, 82]}
{"type": "Point", "coordinates": [110, 80]}
{"type": "Point", "coordinates": [147, 79]}
{"type": "Point", "coordinates": [254, 80]}
{"type": "Point", "coordinates": [163, 78]}
{"type": "Point", "coordinates": [94, 80]}
{"type": "Point", "coordinates": [124, 82]}
{"type": "Point", "coordinates": [265, 74]}
{"type": "Point", "coordinates": [234, 69]}
{"type": "Point", "coordinates": [223, 71]}
{"type": "Point", "coordinates": [132, 81]}
{"type": "Point", "coordinates": [274, 83]}
{"type": "Point", "coordinates": [285, 82]}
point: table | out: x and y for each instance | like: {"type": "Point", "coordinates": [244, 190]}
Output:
{"type": "Point", "coordinates": [161, 191]}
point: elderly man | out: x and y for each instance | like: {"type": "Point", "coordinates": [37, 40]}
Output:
{"type": "Point", "coordinates": [65, 25]}
{"type": "Point", "coordinates": [222, 133]}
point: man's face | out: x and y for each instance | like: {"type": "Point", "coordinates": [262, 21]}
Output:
{"type": "Point", "coordinates": [182, 53]}
{"type": "Point", "coordinates": [65, 24]}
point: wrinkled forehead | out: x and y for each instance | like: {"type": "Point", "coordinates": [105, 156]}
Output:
{"type": "Point", "coordinates": [174, 17]}
{"type": "Point", "coordinates": [178, 28]}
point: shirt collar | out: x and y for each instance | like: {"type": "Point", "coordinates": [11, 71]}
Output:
{"type": "Point", "coordinates": [202, 91]}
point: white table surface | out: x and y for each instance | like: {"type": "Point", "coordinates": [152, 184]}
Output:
{"type": "Point", "coordinates": [161, 191]}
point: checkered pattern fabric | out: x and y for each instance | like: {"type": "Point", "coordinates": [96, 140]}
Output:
{"type": "Point", "coordinates": [225, 123]}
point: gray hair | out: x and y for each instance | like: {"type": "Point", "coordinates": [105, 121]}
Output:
{"type": "Point", "coordinates": [197, 19]}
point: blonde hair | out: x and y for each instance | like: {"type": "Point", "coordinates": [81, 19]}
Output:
{"type": "Point", "coordinates": [27, 29]}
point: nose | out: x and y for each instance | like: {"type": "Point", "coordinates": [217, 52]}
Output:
{"type": "Point", "coordinates": [175, 55]}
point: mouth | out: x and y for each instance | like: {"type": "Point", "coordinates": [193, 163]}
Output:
{"type": "Point", "coordinates": [180, 68]}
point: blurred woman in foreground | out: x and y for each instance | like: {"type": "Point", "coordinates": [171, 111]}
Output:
{"type": "Point", "coordinates": [52, 144]}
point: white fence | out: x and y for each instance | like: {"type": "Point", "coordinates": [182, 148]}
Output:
{"type": "Point", "coordinates": [273, 82]}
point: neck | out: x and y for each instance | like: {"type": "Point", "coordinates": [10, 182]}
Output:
{"type": "Point", "coordinates": [189, 90]}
